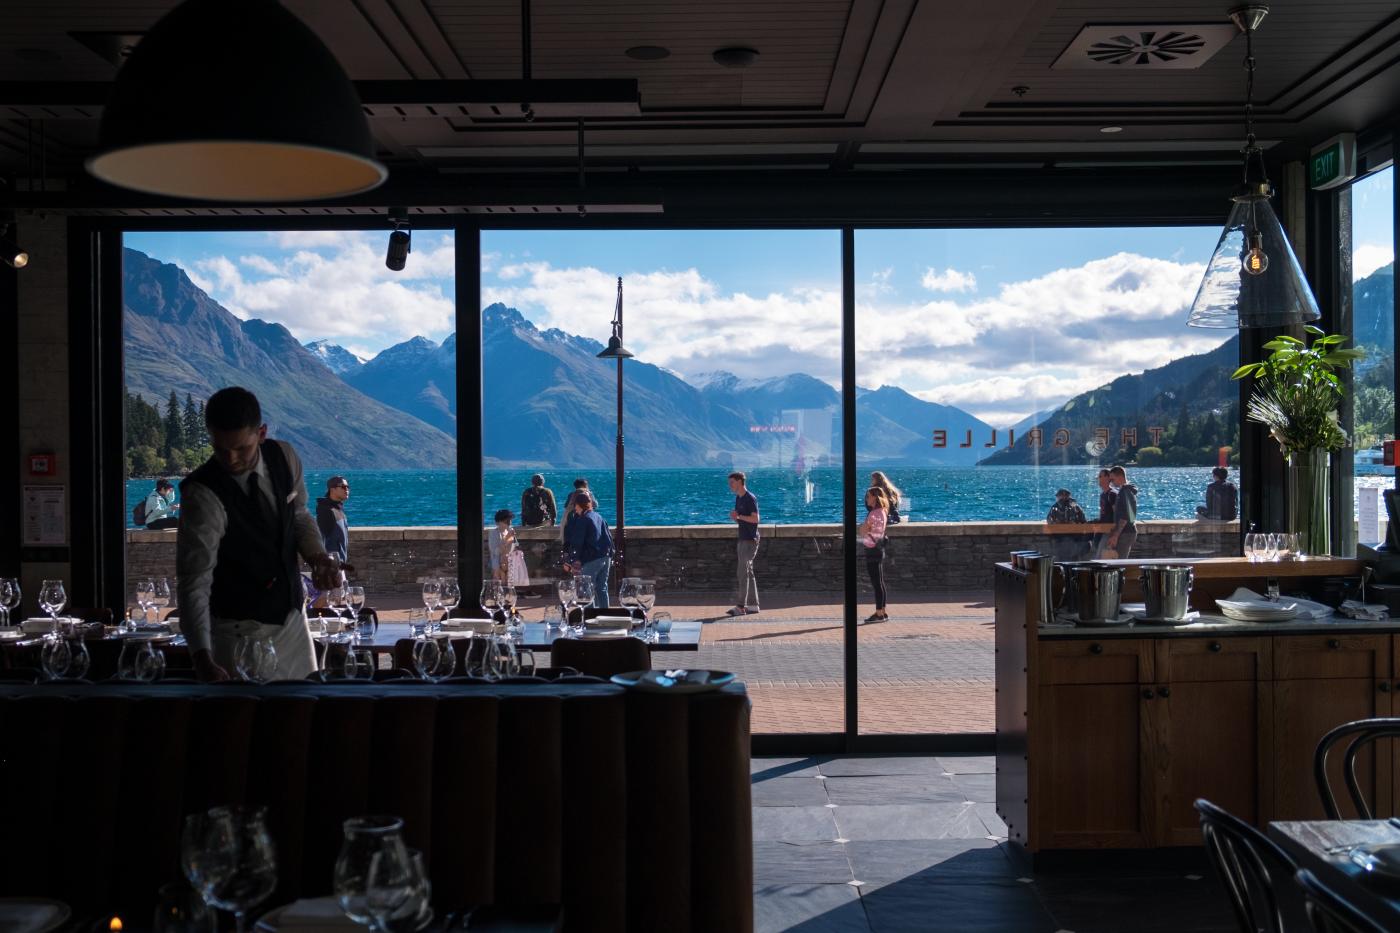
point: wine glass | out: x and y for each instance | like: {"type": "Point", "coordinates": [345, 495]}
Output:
{"type": "Point", "coordinates": [239, 861]}
{"type": "Point", "coordinates": [374, 874]}
{"type": "Point", "coordinates": [9, 597]}
{"type": "Point", "coordinates": [360, 664]}
{"type": "Point", "coordinates": [160, 595]}
{"type": "Point", "coordinates": [52, 598]}
{"type": "Point", "coordinates": [583, 593]}
{"type": "Point", "coordinates": [255, 659]}
{"type": "Point", "coordinates": [1271, 546]}
{"type": "Point", "coordinates": [145, 593]}
{"type": "Point", "coordinates": [451, 595]}
{"type": "Point", "coordinates": [427, 655]}
{"type": "Point", "coordinates": [55, 657]}
{"type": "Point", "coordinates": [79, 661]}
{"type": "Point", "coordinates": [355, 600]}
{"type": "Point", "coordinates": [646, 596]}
{"type": "Point", "coordinates": [627, 594]}
{"type": "Point", "coordinates": [507, 600]}
{"type": "Point", "coordinates": [1249, 540]}
{"type": "Point", "coordinates": [140, 660]}
{"type": "Point", "coordinates": [432, 594]}
{"type": "Point", "coordinates": [568, 599]}
{"type": "Point", "coordinates": [491, 597]}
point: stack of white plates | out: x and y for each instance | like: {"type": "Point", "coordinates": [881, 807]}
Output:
{"type": "Point", "coordinates": [1257, 610]}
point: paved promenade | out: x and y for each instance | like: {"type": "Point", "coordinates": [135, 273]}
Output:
{"type": "Point", "coordinates": [929, 669]}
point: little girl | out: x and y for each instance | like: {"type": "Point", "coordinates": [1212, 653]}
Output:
{"type": "Point", "coordinates": [501, 541]}
{"type": "Point", "coordinates": [872, 532]}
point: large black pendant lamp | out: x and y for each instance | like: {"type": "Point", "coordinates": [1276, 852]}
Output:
{"type": "Point", "coordinates": [1253, 279]}
{"type": "Point", "coordinates": [235, 100]}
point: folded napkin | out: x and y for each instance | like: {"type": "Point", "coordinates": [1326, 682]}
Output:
{"type": "Point", "coordinates": [1366, 612]}
{"type": "Point", "coordinates": [310, 915]}
{"type": "Point", "coordinates": [480, 626]}
{"type": "Point", "coordinates": [609, 622]}
{"type": "Point", "coordinates": [39, 625]}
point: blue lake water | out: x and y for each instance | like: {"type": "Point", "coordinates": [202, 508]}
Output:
{"type": "Point", "coordinates": [696, 497]}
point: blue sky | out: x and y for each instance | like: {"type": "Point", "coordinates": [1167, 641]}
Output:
{"type": "Point", "coordinates": [998, 322]}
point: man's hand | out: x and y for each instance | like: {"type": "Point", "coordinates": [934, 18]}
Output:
{"type": "Point", "coordinates": [325, 571]}
{"type": "Point", "coordinates": [1113, 541]}
{"type": "Point", "coordinates": [733, 515]}
{"type": "Point", "coordinates": [206, 669]}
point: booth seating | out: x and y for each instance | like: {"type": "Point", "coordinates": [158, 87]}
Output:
{"type": "Point", "coordinates": [630, 810]}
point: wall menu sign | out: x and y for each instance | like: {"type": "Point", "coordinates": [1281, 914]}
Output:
{"type": "Point", "coordinates": [43, 515]}
{"type": "Point", "coordinates": [1061, 437]}
{"type": "Point", "coordinates": [1332, 163]}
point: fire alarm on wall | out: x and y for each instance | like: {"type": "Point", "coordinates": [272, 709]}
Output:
{"type": "Point", "coordinates": [42, 465]}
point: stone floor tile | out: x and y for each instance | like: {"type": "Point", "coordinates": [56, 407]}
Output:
{"type": "Point", "coordinates": [886, 789]}
{"type": "Point", "coordinates": [952, 860]}
{"type": "Point", "coordinates": [968, 764]}
{"type": "Point", "coordinates": [800, 863]}
{"type": "Point", "coordinates": [979, 788]}
{"type": "Point", "coordinates": [790, 792]}
{"type": "Point", "coordinates": [987, 812]}
{"type": "Point", "coordinates": [808, 908]}
{"type": "Point", "coordinates": [793, 824]}
{"type": "Point", "coordinates": [763, 768]}
{"type": "Point", "coordinates": [1110, 901]}
{"type": "Point", "coordinates": [910, 821]}
{"type": "Point", "coordinates": [856, 765]}
{"type": "Point", "coordinates": [959, 907]}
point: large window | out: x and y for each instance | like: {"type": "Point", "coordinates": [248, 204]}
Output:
{"type": "Point", "coordinates": [998, 372]}
{"type": "Point", "coordinates": [736, 367]}
{"type": "Point", "coordinates": [1373, 329]}
{"type": "Point", "coordinates": [353, 364]}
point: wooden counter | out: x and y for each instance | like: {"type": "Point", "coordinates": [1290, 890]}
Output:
{"type": "Point", "coordinates": [1105, 741]}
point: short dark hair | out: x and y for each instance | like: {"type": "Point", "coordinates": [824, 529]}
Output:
{"type": "Point", "coordinates": [1105, 471]}
{"type": "Point", "coordinates": [580, 483]}
{"type": "Point", "coordinates": [1119, 470]}
{"type": "Point", "coordinates": [231, 409]}
{"type": "Point", "coordinates": [739, 475]}
{"type": "Point", "coordinates": [1220, 473]}
{"type": "Point", "coordinates": [537, 480]}
{"type": "Point", "coordinates": [504, 515]}
{"type": "Point", "coordinates": [164, 483]}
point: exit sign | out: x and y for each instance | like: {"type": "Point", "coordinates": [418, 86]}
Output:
{"type": "Point", "coordinates": [1333, 163]}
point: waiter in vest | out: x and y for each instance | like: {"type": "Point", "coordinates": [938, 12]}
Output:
{"type": "Point", "coordinates": [244, 523]}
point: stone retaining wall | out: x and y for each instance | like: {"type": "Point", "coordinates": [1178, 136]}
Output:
{"type": "Point", "coordinates": [800, 558]}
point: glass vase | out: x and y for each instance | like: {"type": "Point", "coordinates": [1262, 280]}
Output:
{"type": "Point", "coordinates": [1309, 500]}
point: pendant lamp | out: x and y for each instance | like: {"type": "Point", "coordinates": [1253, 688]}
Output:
{"type": "Point", "coordinates": [1253, 278]}
{"type": "Point", "coordinates": [235, 100]}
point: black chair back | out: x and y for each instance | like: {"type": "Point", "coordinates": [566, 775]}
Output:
{"type": "Point", "coordinates": [1257, 874]}
{"type": "Point", "coordinates": [1329, 912]}
{"type": "Point", "coordinates": [601, 658]}
{"type": "Point", "coordinates": [1362, 732]}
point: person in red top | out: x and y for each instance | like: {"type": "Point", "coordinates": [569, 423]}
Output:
{"type": "Point", "coordinates": [872, 535]}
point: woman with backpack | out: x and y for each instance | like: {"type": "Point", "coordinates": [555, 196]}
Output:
{"type": "Point", "coordinates": [892, 494]}
{"type": "Point", "coordinates": [872, 535]}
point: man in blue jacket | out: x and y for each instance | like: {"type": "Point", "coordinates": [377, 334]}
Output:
{"type": "Point", "coordinates": [590, 547]}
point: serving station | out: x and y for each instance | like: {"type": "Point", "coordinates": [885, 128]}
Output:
{"type": "Point", "coordinates": [1106, 735]}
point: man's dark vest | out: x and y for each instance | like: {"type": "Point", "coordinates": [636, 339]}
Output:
{"type": "Point", "coordinates": [256, 572]}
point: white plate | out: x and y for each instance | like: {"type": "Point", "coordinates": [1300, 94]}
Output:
{"type": "Point", "coordinates": [674, 681]}
{"type": "Point", "coordinates": [1141, 616]}
{"type": "Point", "coordinates": [1104, 623]}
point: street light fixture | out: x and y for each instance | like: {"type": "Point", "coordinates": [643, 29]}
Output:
{"type": "Point", "coordinates": [616, 351]}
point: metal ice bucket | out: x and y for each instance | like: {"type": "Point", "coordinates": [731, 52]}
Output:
{"type": "Point", "coordinates": [1166, 588]}
{"type": "Point", "coordinates": [1068, 601]}
{"type": "Point", "coordinates": [1098, 591]}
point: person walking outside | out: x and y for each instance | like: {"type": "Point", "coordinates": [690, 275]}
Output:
{"type": "Point", "coordinates": [330, 518]}
{"type": "Point", "coordinates": [892, 495]}
{"type": "Point", "coordinates": [1107, 496]}
{"type": "Point", "coordinates": [537, 504]}
{"type": "Point", "coordinates": [245, 522]}
{"type": "Point", "coordinates": [745, 514]}
{"type": "Point", "coordinates": [162, 511]}
{"type": "Point", "coordinates": [590, 546]}
{"type": "Point", "coordinates": [1124, 514]}
{"type": "Point", "coordinates": [501, 543]}
{"type": "Point", "coordinates": [580, 489]}
{"type": "Point", "coordinates": [872, 536]}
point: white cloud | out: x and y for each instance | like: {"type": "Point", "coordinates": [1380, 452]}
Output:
{"type": "Point", "coordinates": [1368, 257]}
{"type": "Point", "coordinates": [260, 264]}
{"type": "Point", "coordinates": [949, 280]}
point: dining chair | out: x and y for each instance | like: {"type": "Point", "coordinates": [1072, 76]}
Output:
{"type": "Point", "coordinates": [1362, 732]}
{"type": "Point", "coordinates": [1329, 912]}
{"type": "Point", "coordinates": [1257, 874]}
{"type": "Point", "coordinates": [603, 657]}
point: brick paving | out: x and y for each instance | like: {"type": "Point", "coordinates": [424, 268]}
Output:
{"type": "Point", "coordinates": [928, 670]}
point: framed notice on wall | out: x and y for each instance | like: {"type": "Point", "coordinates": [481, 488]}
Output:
{"type": "Point", "coordinates": [43, 515]}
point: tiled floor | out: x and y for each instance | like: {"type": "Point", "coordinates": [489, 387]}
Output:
{"type": "Point", "coordinates": [894, 844]}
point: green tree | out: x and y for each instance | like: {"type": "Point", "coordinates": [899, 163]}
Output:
{"type": "Point", "coordinates": [145, 461]}
{"type": "Point", "coordinates": [193, 424]}
{"type": "Point", "coordinates": [1150, 457]}
{"type": "Point", "coordinates": [1182, 435]}
{"type": "Point", "coordinates": [174, 426]}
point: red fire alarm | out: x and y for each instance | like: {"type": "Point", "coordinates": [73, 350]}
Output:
{"type": "Point", "coordinates": [42, 465]}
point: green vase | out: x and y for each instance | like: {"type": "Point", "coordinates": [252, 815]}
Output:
{"type": "Point", "coordinates": [1309, 500]}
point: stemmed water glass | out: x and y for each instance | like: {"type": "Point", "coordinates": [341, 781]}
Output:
{"type": "Point", "coordinates": [355, 601]}
{"type": "Point", "coordinates": [583, 597]}
{"type": "Point", "coordinates": [491, 597]}
{"type": "Point", "coordinates": [568, 599]}
{"type": "Point", "coordinates": [52, 598]}
{"type": "Point", "coordinates": [145, 594]}
{"type": "Point", "coordinates": [1250, 552]}
{"type": "Point", "coordinates": [451, 595]}
{"type": "Point", "coordinates": [432, 596]}
{"type": "Point", "coordinates": [9, 597]}
{"type": "Point", "coordinates": [627, 593]}
{"type": "Point", "coordinates": [229, 857]}
{"type": "Point", "coordinates": [377, 882]}
{"type": "Point", "coordinates": [62, 658]}
{"type": "Point", "coordinates": [140, 660]}
{"type": "Point", "coordinates": [507, 600]}
{"type": "Point", "coordinates": [427, 657]}
{"type": "Point", "coordinates": [256, 659]}
{"type": "Point", "coordinates": [160, 595]}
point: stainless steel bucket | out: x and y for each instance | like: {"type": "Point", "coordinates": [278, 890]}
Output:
{"type": "Point", "coordinates": [1098, 592]}
{"type": "Point", "coordinates": [1043, 567]}
{"type": "Point", "coordinates": [1068, 601]}
{"type": "Point", "coordinates": [1166, 588]}
{"type": "Point", "coordinates": [1019, 559]}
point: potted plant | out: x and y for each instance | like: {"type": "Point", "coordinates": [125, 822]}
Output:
{"type": "Point", "coordinates": [1297, 394]}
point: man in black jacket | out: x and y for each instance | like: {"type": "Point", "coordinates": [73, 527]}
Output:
{"type": "Point", "coordinates": [244, 524]}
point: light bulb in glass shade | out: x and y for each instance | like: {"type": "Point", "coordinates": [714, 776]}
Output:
{"type": "Point", "coordinates": [1255, 260]}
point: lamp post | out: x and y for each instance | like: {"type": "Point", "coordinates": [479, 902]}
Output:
{"type": "Point", "coordinates": [616, 351]}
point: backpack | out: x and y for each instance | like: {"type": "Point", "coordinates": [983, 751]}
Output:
{"type": "Point", "coordinates": [531, 511]}
{"type": "Point", "coordinates": [894, 518]}
{"type": "Point", "coordinates": [138, 514]}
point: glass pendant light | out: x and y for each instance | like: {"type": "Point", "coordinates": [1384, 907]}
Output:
{"type": "Point", "coordinates": [235, 100]}
{"type": "Point", "coordinates": [1253, 278]}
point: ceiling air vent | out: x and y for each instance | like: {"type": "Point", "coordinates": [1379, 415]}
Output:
{"type": "Point", "coordinates": [1144, 45]}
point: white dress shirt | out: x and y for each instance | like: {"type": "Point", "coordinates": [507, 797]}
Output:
{"type": "Point", "coordinates": [202, 525]}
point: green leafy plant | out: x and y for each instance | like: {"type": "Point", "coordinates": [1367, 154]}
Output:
{"type": "Point", "coordinates": [1298, 390]}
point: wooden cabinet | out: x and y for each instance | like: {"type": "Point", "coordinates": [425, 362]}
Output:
{"type": "Point", "coordinates": [1322, 682]}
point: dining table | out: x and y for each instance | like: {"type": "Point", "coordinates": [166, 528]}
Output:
{"type": "Point", "coordinates": [1324, 847]}
{"type": "Point", "coordinates": [684, 636]}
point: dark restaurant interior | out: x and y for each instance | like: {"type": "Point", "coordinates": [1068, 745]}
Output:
{"type": "Point", "coordinates": [1130, 719]}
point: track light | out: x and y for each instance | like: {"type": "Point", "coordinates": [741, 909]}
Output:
{"type": "Point", "coordinates": [14, 255]}
{"type": "Point", "coordinates": [400, 245]}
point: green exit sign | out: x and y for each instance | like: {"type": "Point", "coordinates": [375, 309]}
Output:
{"type": "Point", "coordinates": [1333, 163]}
